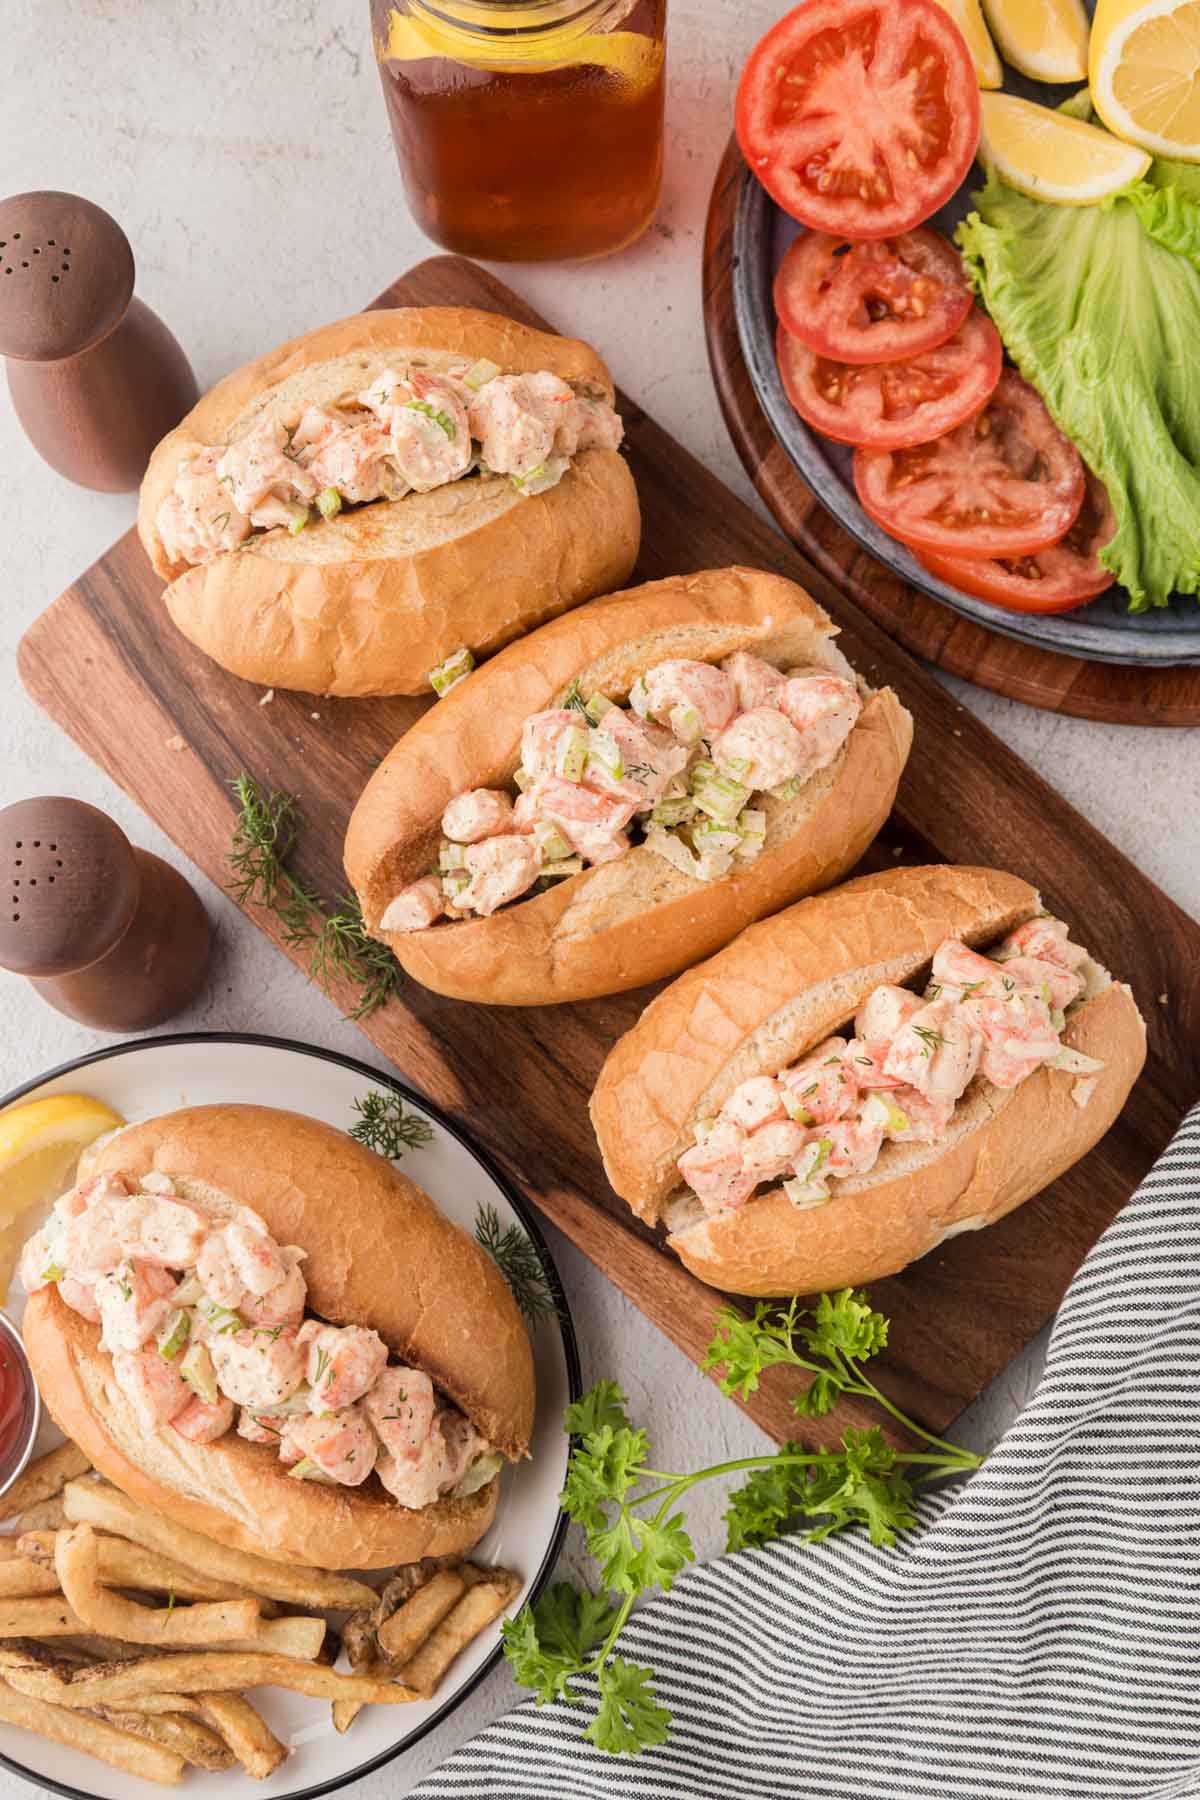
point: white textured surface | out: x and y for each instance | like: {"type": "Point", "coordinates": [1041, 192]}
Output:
{"type": "Point", "coordinates": [246, 153]}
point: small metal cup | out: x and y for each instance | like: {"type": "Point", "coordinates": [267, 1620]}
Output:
{"type": "Point", "coordinates": [14, 1459]}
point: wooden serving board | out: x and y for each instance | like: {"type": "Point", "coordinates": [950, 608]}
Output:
{"type": "Point", "coordinates": [173, 729]}
{"type": "Point", "coordinates": [1114, 693]}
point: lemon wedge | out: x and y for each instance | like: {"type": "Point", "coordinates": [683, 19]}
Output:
{"type": "Point", "coordinates": [1053, 157]}
{"type": "Point", "coordinates": [40, 1144]}
{"type": "Point", "coordinates": [968, 16]}
{"type": "Point", "coordinates": [1047, 39]}
{"type": "Point", "coordinates": [1145, 73]}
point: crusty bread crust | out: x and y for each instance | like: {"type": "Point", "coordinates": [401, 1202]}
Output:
{"type": "Point", "coordinates": [379, 1254]}
{"type": "Point", "coordinates": [621, 924]}
{"type": "Point", "coordinates": [778, 990]}
{"type": "Point", "coordinates": [371, 601]}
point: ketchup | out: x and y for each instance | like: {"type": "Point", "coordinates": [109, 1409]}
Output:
{"type": "Point", "coordinates": [15, 1399]}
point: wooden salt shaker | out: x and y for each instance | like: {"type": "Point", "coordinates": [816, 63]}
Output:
{"type": "Point", "coordinates": [107, 934]}
{"type": "Point", "coordinates": [96, 378]}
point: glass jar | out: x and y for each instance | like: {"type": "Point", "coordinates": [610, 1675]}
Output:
{"type": "Point", "coordinates": [526, 130]}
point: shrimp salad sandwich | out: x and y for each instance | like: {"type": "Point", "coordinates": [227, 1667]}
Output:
{"type": "Point", "coordinates": [369, 507]}
{"type": "Point", "coordinates": [250, 1322]}
{"type": "Point", "coordinates": [863, 1076]}
{"type": "Point", "coordinates": [623, 790]}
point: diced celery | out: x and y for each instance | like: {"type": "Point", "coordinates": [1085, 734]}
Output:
{"type": "Point", "coordinates": [568, 865]}
{"type": "Point", "coordinates": [570, 755]}
{"type": "Point", "coordinates": [711, 836]}
{"type": "Point", "coordinates": [720, 797]}
{"type": "Point", "coordinates": [676, 811]}
{"type": "Point", "coordinates": [686, 723]}
{"type": "Point", "coordinates": [329, 503]}
{"type": "Point", "coordinates": [550, 841]}
{"type": "Point", "coordinates": [603, 750]}
{"type": "Point", "coordinates": [481, 1471]}
{"type": "Point", "coordinates": [480, 373]}
{"type": "Point", "coordinates": [174, 1334]}
{"type": "Point", "coordinates": [787, 790]}
{"type": "Point", "coordinates": [702, 1129]}
{"type": "Point", "coordinates": [307, 1470]}
{"type": "Point", "coordinates": [198, 1371]}
{"type": "Point", "coordinates": [804, 1194]}
{"type": "Point", "coordinates": [794, 1110]}
{"type": "Point", "coordinates": [53, 1272]}
{"type": "Point", "coordinates": [521, 780]}
{"type": "Point", "coordinates": [597, 706]}
{"type": "Point", "coordinates": [301, 517]}
{"type": "Point", "coordinates": [639, 699]}
{"type": "Point", "coordinates": [450, 672]}
{"type": "Point", "coordinates": [451, 856]}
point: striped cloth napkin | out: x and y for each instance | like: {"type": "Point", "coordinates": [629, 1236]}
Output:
{"type": "Point", "coordinates": [1039, 1636]}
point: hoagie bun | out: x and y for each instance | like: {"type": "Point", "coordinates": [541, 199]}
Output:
{"type": "Point", "coordinates": [372, 600]}
{"type": "Point", "coordinates": [785, 986]}
{"type": "Point", "coordinates": [379, 1255]}
{"type": "Point", "coordinates": [620, 923]}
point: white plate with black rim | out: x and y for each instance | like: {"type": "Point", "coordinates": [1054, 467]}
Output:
{"type": "Point", "coordinates": [156, 1075]}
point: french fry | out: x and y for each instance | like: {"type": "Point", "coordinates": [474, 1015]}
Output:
{"type": "Point", "coordinates": [482, 1603]}
{"type": "Point", "coordinates": [19, 1578]}
{"type": "Point", "coordinates": [123, 1564]}
{"type": "Point", "coordinates": [246, 1732]}
{"type": "Point", "coordinates": [401, 1636]}
{"type": "Point", "coordinates": [43, 1479]}
{"type": "Point", "coordinates": [47, 1515]}
{"type": "Point", "coordinates": [134, 1685]}
{"type": "Point", "coordinates": [196, 1742]}
{"type": "Point", "coordinates": [359, 1632]}
{"type": "Point", "coordinates": [93, 1736]}
{"type": "Point", "coordinates": [47, 1616]}
{"type": "Point", "coordinates": [31, 1668]}
{"type": "Point", "coordinates": [77, 1560]}
{"type": "Point", "coordinates": [298, 1637]}
{"type": "Point", "coordinates": [106, 1508]}
{"type": "Point", "coordinates": [9, 1546]}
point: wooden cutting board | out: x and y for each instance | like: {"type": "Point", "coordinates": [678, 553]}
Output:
{"type": "Point", "coordinates": [173, 730]}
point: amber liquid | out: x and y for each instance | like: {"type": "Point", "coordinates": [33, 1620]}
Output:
{"type": "Point", "coordinates": [529, 164]}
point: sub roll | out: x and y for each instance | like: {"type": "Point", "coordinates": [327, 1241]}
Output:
{"type": "Point", "coordinates": [866, 1074]}
{"type": "Point", "coordinates": [255, 1325]}
{"type": "Point", "coordinates": [621, 792]}
{"type": "Point", "coordinates": [371, 506]}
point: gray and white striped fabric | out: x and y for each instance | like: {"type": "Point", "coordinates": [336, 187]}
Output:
{"type": "Point", "coordinates": [1039, 1637]}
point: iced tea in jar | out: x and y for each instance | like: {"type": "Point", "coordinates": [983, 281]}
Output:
{"type": "Point", "coordinates": [526, 130]}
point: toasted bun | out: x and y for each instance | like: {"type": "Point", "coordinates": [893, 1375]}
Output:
{"type": "Point", "coordinates": [776, 992]}
{"type": "Point", "coordinates": [620, 924]}
{"type": "Point", "coordinates": [380, 1255]}
{"type": "Point", "coordinates": [372, 600]}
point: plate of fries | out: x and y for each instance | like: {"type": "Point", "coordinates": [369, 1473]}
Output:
{"type": "Point", "coordinates": [131, 1646]}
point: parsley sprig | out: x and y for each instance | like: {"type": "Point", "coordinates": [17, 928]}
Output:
{"type": "Point", "coordinates": [519, 1261]}
{"type": "Point", "coordinates": [386, 1125]}
{"type": "Point", "coordinates": [263, 838]}
{"type": "Point", "coordinates": [635, 1529]}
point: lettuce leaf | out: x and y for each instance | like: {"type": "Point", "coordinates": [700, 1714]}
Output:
{"type": "Point", "coordinates": [1099, 307]}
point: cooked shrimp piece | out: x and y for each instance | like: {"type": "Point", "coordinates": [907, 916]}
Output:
{"type": "Point", "coordinates": [430, 434]}
{"type": "Point", "coordinates": [89, 1243]}
{"type": "Point", "coordinates": [824, 709]}
{"type": "Point", "coordinates": [415, 906]}
{"type": "Point", "coordinates": [258, 1260]}
{"type": "Point", "coordinates": [713, 1168]}
{"type": "Point", "coordinates": [772, 1150]}
{"type": "Point", "coordinates": [36, 1257]}
{"type": "Point", "coordinates": [681, 682]}
{"type": "Point", "coordinates": [592, 823]}
{"type": "Point", "coordinates": [501, 869]}
{"type": "Point", "coordinates": [927, 1119]}
{"type": "Point", "coordinates": [400, 1406]}
{"type": "Point", "coordinates": [199, 518]}
{"type": "Point", "coordinates": [1057, 986]}
{"type": "Point", "coordinates": [343, 1362]}
{"type": "Point", "coordinates": [650, 760]}
{"type": "Point", "coordinates": [283, 1304]}
{"type": "Point", "coordinates": [755, 1102]}
{"type": "Point", "coordinates": [133, 1302]}
{"type": "Point", "coordinates": [258, 1368]}
{"type": "Point", "coordinates": [756, 683]}
{"type": "Point", "coordinates": [588, 424]}
{"type": "Point", "coordinates": [865, 1058]}
{"type": "Point", "coordinates": [153, 1386]}
{"type": "Point", "coordinates": [340, 1443]}
{"type": "Point", "coordinates": [463, 1445]}
{"type": "Point", "coordinates": [480, 813]}
{"type": "Point", "coordinates": [762, 749]}
{"type": "Point", "coordinates": [217, 1272]}
{"type": "Point", "coordinates": [1018, 1035]}
{"type": "Point", "coordinates": [540, 735]}
{"type": "Point", "coordinates": [167, 1232]}
{"type": "Point", "coordinates": [263, 1428]}
{"type": "Point", "coordinates": [884, 1011]}
{"type": "Point", "coordinates": [80, 1296]}
{"type": "Point", "coordinates": [823, 1087]}
{"type": "Point", "coordinates": [256, 468]}
{"type": "Point", "coordinates": [1046, 938]}
{"type": "Point", "coordinates": [356, 460]}
{"type": "Point", "coordinates": [854, 1146]}
{"type": "Point", "coordinates": [936, 1051]}
{"type": "Point", "coordinates": [517, 419]}
{"type": "Point", "coordinates": [201, 1422]}
{"type": "Point", "coordinates": [959, 972]}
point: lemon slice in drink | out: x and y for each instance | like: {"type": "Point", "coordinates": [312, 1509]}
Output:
{"type": "Point", "coordinates": [968, 16]}
{"type": "Point", "coordinates": [1145, 73]}
{"type": "Point", "coordinates": [1047, 39]}
{"type": "Point", "coordinates": [1052, 157]}
{"type": "Point", "coordinates": [40, 1144]}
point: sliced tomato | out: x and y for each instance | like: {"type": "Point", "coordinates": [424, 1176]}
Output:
{"type": "Point", "coordinates": [1056, 580]}
{"type": "Point", "coordinates": [860, 117]}
{"type": "Point", "coordinates": [891, 406]}
{"type": "Point", "coordinates": [874, 302]}
{"type": "Point", "coordinates": [1005, 483]}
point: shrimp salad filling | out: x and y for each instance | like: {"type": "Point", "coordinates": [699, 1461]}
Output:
{"type": "Point", "coordinates": [682, 769]}
{"type": "Point", "coordinates": [413, 429]}
{"type": "Point", "coordinates": [204, 1317]}
{"type": "Point", "coordinates": [901, 1075]}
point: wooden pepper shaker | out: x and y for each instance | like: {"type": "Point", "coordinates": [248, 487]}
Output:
{"type": "Point", "coordinates": [96, 378]}
{"type": "Point", "coordinates": [107, 934]}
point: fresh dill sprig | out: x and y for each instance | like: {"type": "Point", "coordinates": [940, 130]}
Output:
{"type": "Point", "coordinates": [387, 1126]}
{"type": "Point", "coordinates": [263, 838]}
{"type": "Point", "coordinates": [519, 1261]}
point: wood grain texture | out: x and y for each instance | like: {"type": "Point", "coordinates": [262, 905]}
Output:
{"type": "Point", "coordinates": [1067, 684]}
{"type": "Point", "coordinates": [518, 1080]}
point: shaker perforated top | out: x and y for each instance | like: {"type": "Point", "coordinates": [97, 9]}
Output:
{"type": "Point", "coordinates": [69, 885]}
{"type": "Point", "coordinates": [66, 275]}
